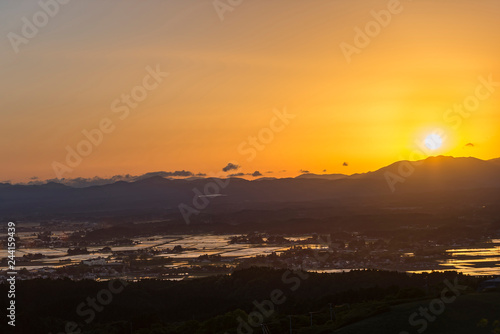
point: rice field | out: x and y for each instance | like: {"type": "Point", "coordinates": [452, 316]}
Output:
{"type": "Point", "coordinates": [474, 261]}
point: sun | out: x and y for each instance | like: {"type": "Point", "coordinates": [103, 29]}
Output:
{"type": "Point", "coordinates": [433, 141]}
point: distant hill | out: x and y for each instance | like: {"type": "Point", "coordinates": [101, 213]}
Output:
{"type": "Point", "coordinates": [159, 194]}
{"type": "Point", "coordinates": [322, 176]}
{"type": "Point", "coordinates": [495, 161]}
{"type": "Point", "coordinates": [442, 173]}
{"type": "Point", "coordinates": [433, 173]}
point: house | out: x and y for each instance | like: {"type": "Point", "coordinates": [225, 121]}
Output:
{"type": "Point", "coordinates": [100, 261]}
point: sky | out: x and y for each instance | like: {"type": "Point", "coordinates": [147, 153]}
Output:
{"type": "Point", "coordinates": [272, 86]}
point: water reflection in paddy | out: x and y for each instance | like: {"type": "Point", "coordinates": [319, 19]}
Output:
{"type": "Point", "coordinates": [475, 261]}
{"type": "Point", "coordinates": [484, 260]}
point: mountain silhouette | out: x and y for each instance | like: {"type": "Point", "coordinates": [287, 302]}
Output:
{"type": "Point", "coordinates": [156, 193]}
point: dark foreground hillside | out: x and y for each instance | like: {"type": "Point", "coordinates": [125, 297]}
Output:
{"type": "Point", "coordinates": [472, 313]}
{"type": "Point", "coordinates": [354, 302]}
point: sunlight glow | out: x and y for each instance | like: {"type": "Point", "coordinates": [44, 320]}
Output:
{"type": "Point", "coordinates": [433, 141]}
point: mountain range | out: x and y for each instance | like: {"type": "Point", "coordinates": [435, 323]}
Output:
{"type": "Point", "coordinates": [158, 194]}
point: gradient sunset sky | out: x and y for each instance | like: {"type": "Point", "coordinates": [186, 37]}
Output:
{"type": "Point", "coordinates": [228, 77]}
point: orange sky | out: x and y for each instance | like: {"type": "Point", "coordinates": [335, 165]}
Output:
{"type": "Point", "coordinates": [226, 79]}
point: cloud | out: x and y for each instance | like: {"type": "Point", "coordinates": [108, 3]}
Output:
{"type": "Point", "coordinates": [324, 170]}
{"type": "Point", "coordinates": [81, 182]}
{"type": "Point", "coordinates": [304, 171]}
{"type": "Point", "coordinates": [230, 166]}
{"type": "Point", "coordinates": [201, 174]}
{"type": "Point", "coordinates": [181, 173]}
{"type": "Point", "coordinates": [254, 174]}
{"type": "Point", "coordinates": [34, 178]}
{"type": "Point", "coordinates": [178, 173]}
